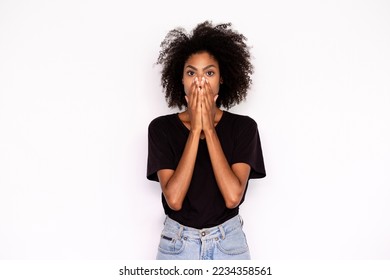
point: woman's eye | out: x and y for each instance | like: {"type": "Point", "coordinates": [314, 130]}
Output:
{"type": "Point", "coordinates": [190, 73]}
{"type": "Point", "coordinates": [210, 73]}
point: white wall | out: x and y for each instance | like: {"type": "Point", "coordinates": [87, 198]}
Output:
{"type": "Point", "coordinates": [78, 89]}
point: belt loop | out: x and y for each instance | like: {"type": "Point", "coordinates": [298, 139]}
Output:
{"type": "Point", "coordinates": [180, 231]}
{"type": "Point", "coordinates": [222, 231]}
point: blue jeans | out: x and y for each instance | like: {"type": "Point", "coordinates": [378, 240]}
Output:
{"type": "Point", "coordinates": [224, 242]}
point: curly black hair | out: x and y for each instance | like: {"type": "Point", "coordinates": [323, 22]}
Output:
{"type": "Point", "coordinates": [227, 46]}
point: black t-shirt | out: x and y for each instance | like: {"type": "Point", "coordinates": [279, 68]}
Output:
{"type": "Point", "coordinates": [203, 205]}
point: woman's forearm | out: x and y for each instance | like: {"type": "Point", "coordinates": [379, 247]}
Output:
{"type": "Point", "coordinates": [231, 185]}
{"type": "Point", "coordinates": [175, 183]}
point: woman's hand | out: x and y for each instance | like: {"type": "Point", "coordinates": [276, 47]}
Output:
{"type": "Point", "coordinates": [201, 105]}
{"type": "Point", "coordinates": [209, 107]}
{"type": "Point", "coordinates": [194, 106]}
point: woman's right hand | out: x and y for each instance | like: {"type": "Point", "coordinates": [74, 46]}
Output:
{"type": "Point", "coordinates": [194, 105]}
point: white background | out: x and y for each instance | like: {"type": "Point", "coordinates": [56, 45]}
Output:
{"type": "Point", "coordinates": [78, 88]}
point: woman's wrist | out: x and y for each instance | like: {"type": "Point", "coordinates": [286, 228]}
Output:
{"type": "Point", "coordinates": [195, 132]}
{"type": "Point", "coordinates": [209, 132]}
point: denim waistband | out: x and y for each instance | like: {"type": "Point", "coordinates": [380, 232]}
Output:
{"type": "Point", "coordinates": [219, 231]}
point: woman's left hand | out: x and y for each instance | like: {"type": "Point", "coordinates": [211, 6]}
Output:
{"type": "Point", "coordinates": [209, 108]}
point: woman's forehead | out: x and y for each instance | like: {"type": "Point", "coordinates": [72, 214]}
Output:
{"type": "Point", "coordinates": [203, 58]}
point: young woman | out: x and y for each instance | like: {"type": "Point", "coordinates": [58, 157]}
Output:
{"type": "Point", "coordinates": [204, 156]}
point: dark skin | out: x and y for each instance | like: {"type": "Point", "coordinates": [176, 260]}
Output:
{"type": "Point", "coordinates": [201, 80]}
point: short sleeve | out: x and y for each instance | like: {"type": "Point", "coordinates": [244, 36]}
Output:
{"type": "Point", "coordinates": [160, 155]}
{"type": "Point", "coordinates": [247, 148]}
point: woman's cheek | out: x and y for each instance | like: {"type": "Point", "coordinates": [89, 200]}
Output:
{"type": "Point", "coordinates": [215, 89]}
{"type": "Point", "coordinates": [186, 89]}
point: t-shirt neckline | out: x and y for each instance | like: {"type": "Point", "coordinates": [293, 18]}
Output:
{"type": "Point", "coordinates": [187, 130]}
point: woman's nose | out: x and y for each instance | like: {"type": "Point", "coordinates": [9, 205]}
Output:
{"type": "Point", "coordinates": [200, 76]}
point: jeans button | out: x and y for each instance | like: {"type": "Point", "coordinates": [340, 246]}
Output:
{"type": "Point", "coordinates": [203, 233]}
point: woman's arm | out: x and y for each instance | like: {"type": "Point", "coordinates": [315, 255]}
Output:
{"type": "Point", "coordinates": [175, 183]}
{"type": "Point", "coordinates": [231, 180]}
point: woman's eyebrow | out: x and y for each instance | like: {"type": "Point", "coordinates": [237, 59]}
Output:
{"type": "Point", "coordinates": [205, 68]}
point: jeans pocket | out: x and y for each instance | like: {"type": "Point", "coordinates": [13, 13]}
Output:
{"type": "Point", "coordinates": [170, 243]}
{"type": "Point", "coordinates": [234, 243]}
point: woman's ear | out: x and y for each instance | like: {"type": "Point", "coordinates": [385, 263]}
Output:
{"type": "Point", "coordinates": [221, 80]}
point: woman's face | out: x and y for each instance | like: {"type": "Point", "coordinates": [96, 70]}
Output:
{"type": "Point", "coordinates": [200, 65]}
